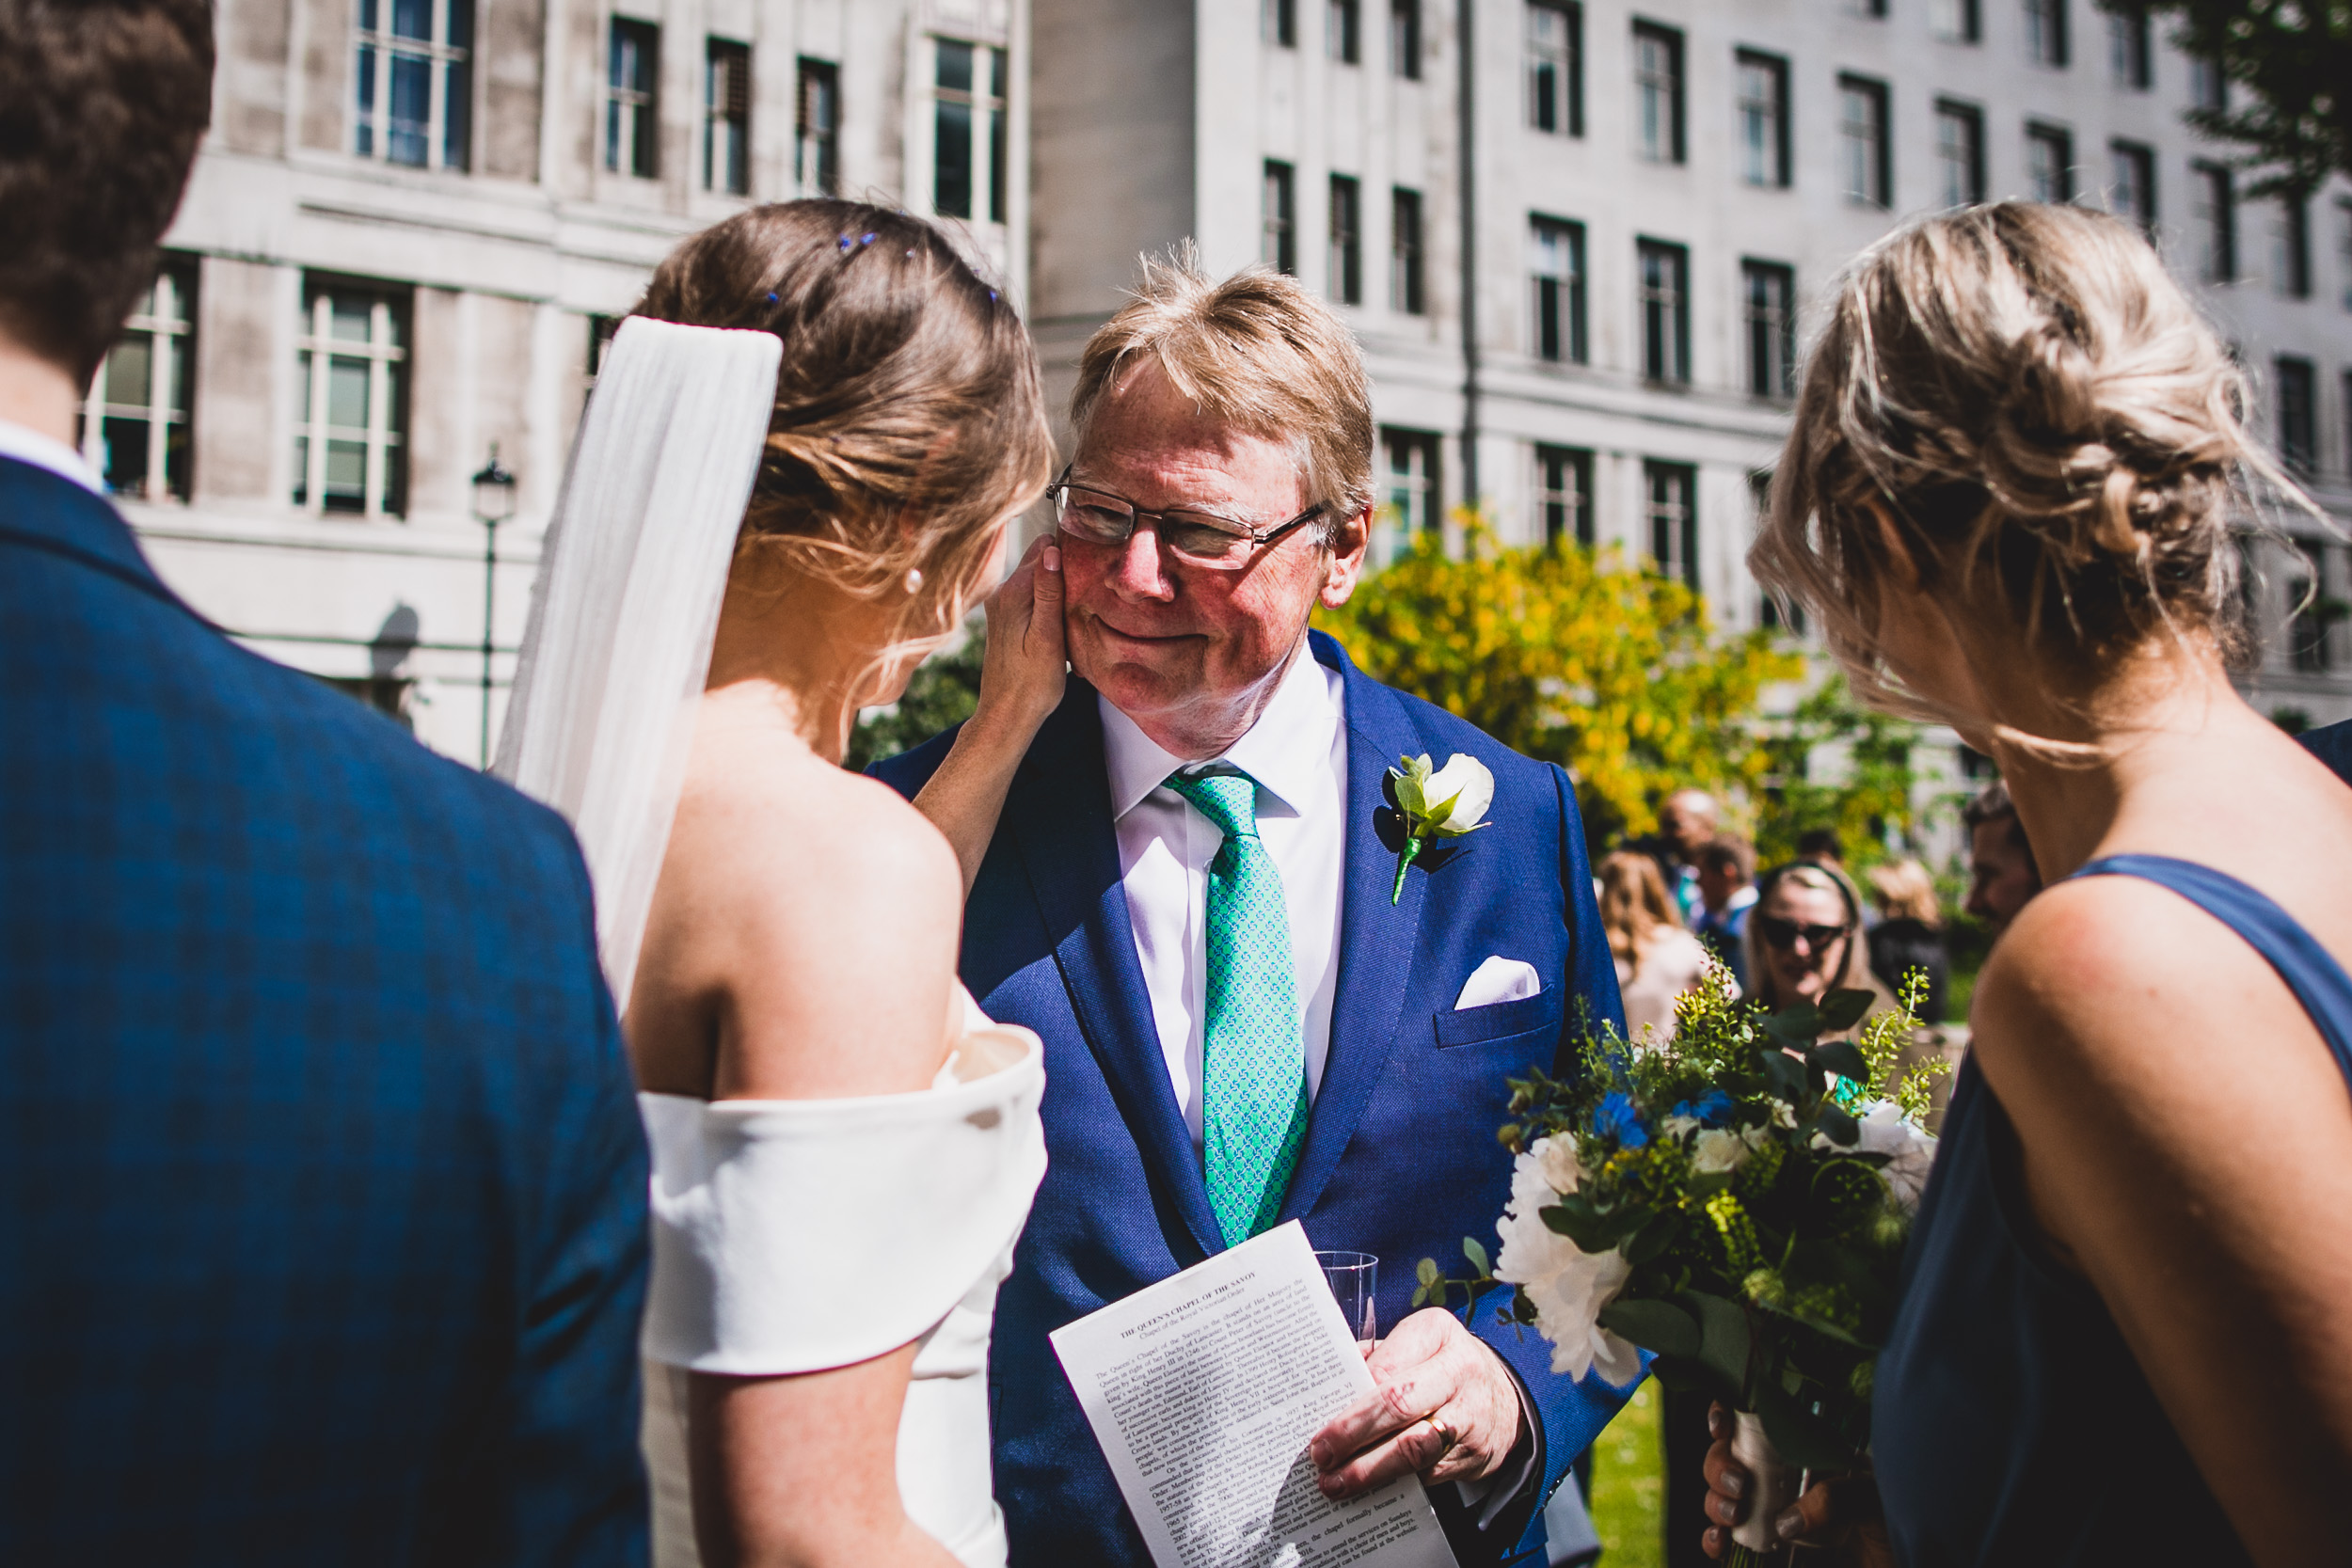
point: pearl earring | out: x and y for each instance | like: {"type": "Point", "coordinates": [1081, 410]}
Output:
{"type": "Point", "coordinates": [914, 579]}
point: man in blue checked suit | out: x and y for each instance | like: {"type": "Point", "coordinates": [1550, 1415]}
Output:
{"type": "Point", "coordinates": [1188, 895]}
{"type": "Point", "coordinates": [323, 1235]}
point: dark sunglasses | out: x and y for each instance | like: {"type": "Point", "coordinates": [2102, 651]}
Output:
{"type": "Point", "coordinates": [1783, 934]}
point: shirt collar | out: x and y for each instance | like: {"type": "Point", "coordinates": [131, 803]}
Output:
{"type": "Point", "coordinates": [1283, 751]}
{"type": "Point", "coordinates": [26, 445]}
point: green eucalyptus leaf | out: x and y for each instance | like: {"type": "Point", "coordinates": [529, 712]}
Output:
{"type": "Point", "coordinates": [1477, 1256]}
{"type": "Point", "coordinates": [1784, 1076]}
{"type": "Point", "coordinates": [1420, 1294]}
{"type": "Point", "coordinates": [1427, 1272]}
{"type": "Point", "coordinates": [1657, 1326]}
{"type": "Point", "coordinates": [1655, 1236]}
{"type": "Point", "coordinates": [1797, 1025]}
{"type": "Point", "coordinates": [1723, 1339]}
{"type": "Point", "coordinates": [1840, 1128]}
{"type": "Point", "coordinates": [1842, 1057]}
{"type": "Point", "coordinates": [1843, 1009]}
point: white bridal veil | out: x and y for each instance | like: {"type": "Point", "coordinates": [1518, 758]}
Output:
{"type": "Point", "coordinates": [627, 602]}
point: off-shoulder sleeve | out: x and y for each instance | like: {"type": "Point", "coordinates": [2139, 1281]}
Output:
{"type": "Point", "coordinates": [793, 1236]}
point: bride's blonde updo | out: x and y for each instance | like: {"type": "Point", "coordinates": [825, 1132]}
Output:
{"type": "Point", "coordinates": [908, 419]}
{"type": "Point", "coordinates": [2051, 429]}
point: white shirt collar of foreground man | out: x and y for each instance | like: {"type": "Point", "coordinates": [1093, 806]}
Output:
{"type": "Point", "coordinates": [30, 446]}
{"type": "Point", "coordinates": [1297, 753]}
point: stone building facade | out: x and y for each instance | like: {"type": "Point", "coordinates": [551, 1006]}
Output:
{"type": "Point", "coordinates": [1577, 238]}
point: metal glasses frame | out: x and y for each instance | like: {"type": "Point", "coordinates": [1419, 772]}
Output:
{"type": "Point", "coordinates": [1256, 538]}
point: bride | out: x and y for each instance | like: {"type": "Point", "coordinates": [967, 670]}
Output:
{"type": "Point", "coordinates": [794, 479]}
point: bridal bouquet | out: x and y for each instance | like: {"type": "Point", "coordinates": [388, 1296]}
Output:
{"type": "Point", "coordinates": [1734, 1200]}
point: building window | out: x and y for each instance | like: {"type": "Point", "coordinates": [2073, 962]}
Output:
{"type": "Point", "coordinates": [1564, 495]}
{"type": "Point", "coordinates": [2130, 60]}
{"type": "Point", "coordinates": [1347, 239]}
{"type": "Point", "coordinates": [134, 432]}
{"type": "Point", "coordinates": [1555, 67]}
{"type": "Point", "coordinates": [1674, 520]}
{"type": "Point", "coordinates": [1412, 478]}
{"type": "Point", "coordinates": [2299, 414]}
{"type": "Point", "coordinates": [2208, 88]}
{"type": "Point", "coordinates": [1763, 118]}
{"type": "Point", "coordinates": [2049, 164]}
{"type": "Point", "coordinates": [1874, 9]}
{"type": "Point", "coordinates": [630, 121]}
{"type": "Point", "coordinates": [1956, 21]}
{"type": "Point", "coordinates": [1861, 134]}
{"type": "Point", "coordinates": [1557, 265]}
{"type": "Point", "coordinates": [1770, 298]}
{"type": "Point", "coordinates": [2344, 266]}
{"type": "Point", "coordinates": [2215, 215]}
{"type": "Point", "coordinates": [2046, 33]}
{"type": "Point", "coordinates": [350, 436]}
{"type": "Point", "coordinates": [1405, 39]}
{"type": "Point", "coordinates": [817, 129]}
{"type": "Point", "coordinates": [968, 131]}
{"type": "Point", "coordinates": [1665, 312]}
{"type": "Point", "coordinates": [2313, 611]}
{"type": "Point", "coordinates": [1342, 31]}
{"type": "Point", "coordinates": [2133, 194]}
{"type": "Point", "coordinates": [1404, 251]}
{"type": "Point", "coordinates": [1658, 92]}
{"type": "Point", "coordinates": [1959, 153]}
{"type": "Point", "coordinates": [727, 119]}
{"type": "Point", "coordinates": [413, 78]}
{"type": "Point", "coordinates": [2291, 246]}
{"type": "Point", "coordinates": [602, 330]}
{"type": "Point", "coordinates": [1278, 22]}
{"type": "Point", "coordinates": [1278, 230]}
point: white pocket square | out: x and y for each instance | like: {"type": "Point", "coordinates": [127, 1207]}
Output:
{"type": "Point", "coordinates": [1499, 979]}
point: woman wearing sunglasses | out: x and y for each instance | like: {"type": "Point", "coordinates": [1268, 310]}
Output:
{"type": "Point", "coordinates": [1804, 938]}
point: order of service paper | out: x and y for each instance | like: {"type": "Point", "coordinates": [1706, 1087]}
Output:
{"type": "Point", "coordinates": [1204, 1390]}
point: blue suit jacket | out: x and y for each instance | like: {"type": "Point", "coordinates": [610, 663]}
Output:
{"type": "Point", "coordinates": [1400, 1159]}
{"type": "Point", "coordinates": [323, 1235]}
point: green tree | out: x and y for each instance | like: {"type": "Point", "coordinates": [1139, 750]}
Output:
{"type": "Point", "coordinates": [2294, 59]}
{"type": "Point", "coordinates": [1615, 673]}
{"type": "Point", "coordinates": [1871, 802]}
{"type": "Point", "coordinates": [945, 689]}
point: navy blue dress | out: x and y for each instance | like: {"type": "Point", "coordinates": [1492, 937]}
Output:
{"type": "Point", "coordinates": [2011, 1425]}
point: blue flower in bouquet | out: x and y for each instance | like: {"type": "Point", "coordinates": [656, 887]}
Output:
{"type": "Point", "coordinates": [1711, 1109]}
{"type": "Point", "coordinates": [1615, 1117]}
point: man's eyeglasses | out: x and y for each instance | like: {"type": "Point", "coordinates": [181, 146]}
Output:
{"type": "Point", "coordinates": [1783, 934]}
{"type": "Point", "coordinates": [1200, 538]}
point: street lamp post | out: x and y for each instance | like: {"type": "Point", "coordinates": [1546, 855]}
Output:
{"type": "Point", "coordinates": [493, 503]}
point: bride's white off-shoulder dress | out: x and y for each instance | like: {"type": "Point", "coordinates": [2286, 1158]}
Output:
{"type": "Point", "coordinates": [794, 1236]}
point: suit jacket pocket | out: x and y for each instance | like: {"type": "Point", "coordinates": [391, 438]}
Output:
{"type": "Point", "coordinates": [1529, 1014]}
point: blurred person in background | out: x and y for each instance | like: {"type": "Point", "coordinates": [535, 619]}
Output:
{"type": "Point", "coordinates": [1726, 893]}
{"type": "Point", "coordinates": [1822, 845]}
{"type": "Point", "coordinates": [1910, 933]}
{"type": "Point", "coordinates": [2002, 873]}
{"type": "Point", "coordinates": [1686, 824]}
{"type": "Point", "coordinates": [1656, 958]}
{"type": "Point", "coordinates": [1804, 937]}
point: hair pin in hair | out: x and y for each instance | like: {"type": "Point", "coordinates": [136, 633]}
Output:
{"type": "Point", "coordinates": [772, 298]}
{"type": "Point", "coordinates": [845, 243]}
{"type": "Point", "coordinates": [991, 297]}
{"type": "Point", "coordinates": [866, 239]}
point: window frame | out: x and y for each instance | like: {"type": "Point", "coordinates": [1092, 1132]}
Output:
{"type": "Point", "coordinates": [727, 112]}
{"type": "Point", "coordinates": [1565, 104]}
{"type": "Point", "coordinates": [1278, 22]}
{"type": "Point", "coordinates": [987, 101]}
{"type": "Point", "coordinates": [636, 105]}
{"type": "Point", "coordinates": [2059, 141]}
{"type": "Point", "coordinates": [448, 127]}
{"type": "Point", "coordinates": [1564, 512]}
{"type": "Point", "coordinates": [384, 483]}
{"type": "Point", "coordinates": [1769, 328]}
{"type": "Point", "coordinates": [1559, 301]}
{"type": "Point", "coordinates": [1879, 141]}
{"type": "Point", "coordinates": [1665, 312]}
{"type": "Point", "coordinates": [2290, 246]}
{"type": "Point", "coordinates": [1649, 85]}
{"type": "Point", "coordinates": [1278, 218]}
{"type": "Point", "coordinates": [1951, 111]}
{"type": "Point", "coordinates": [1672, 524]}
{"type": "Point", "coordinates": [1346, 261]}
{"type": "Point", "coordinates": [2049, 46]}
{"type": "Point", "coordinates": [1407, 252]}
{"type": "Point", "coordinates": [1957, 21]}
{"type": "Point", "coordinates": [2295, 408]}
{"type": "Point", "coordinates": [814, 80]}
{"type": "Point", "coordinates": [1344, 31]}
{"type": "Point", "coordinates": [2131, 51]}
{"type": "Point", "coordinates": [1425, 485]}
{"type": "Point", "coordinates": [2142, 160]}
{"type": "Point", "coordinates": [166, 317]}
{"type": "Point", "coordinates": [1780, 153]}
{"type": "Point", "coordinates": [1405, 40]}
{"type": "Point", "coordinates": [2215, 205]}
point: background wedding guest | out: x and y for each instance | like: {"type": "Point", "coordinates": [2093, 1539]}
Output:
{"type": "Point", "coordinates": [1822, 845]}
{"type": "Point", "coordinates": [325, 1234]}
{"type": "Point", "coordinates": [1658, 960]}
{"type": "Point", "coordinates": [2015, 495]}
{"type": "Point", "coordinates": [1804, 937]}
{"type": "Point", "coordinates": [1687, 822]}
{"type": "Point", "coordinates": [1910, 933]}
{"type": "Point", "coordinates": [2002, 874]}
{"type": "Point", "coordinates": [1726, 879]}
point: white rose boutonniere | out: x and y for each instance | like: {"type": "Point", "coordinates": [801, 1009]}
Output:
{"type": "Point", "coordinates": [1441, 802]}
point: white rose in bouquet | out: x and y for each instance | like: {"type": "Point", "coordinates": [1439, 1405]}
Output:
{"type": "Point", "coordinates": [1567, 1284]}
{"type": "Point", "coordinates": [1885, 1131]}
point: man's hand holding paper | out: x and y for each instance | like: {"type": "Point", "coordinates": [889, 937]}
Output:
{"type": "Point", "coordinates": [1443, 1405]}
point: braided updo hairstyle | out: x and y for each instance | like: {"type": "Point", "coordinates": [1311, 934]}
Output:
{"type": "Point", "coordinates": [908, 418]}
{"type": "Point", "coordinates": [2049, 426]}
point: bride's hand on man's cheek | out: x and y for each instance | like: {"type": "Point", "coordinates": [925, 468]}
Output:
{"type": "Point", "coordinates": [1023, 673]}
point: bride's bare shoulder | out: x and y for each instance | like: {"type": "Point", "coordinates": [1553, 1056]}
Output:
{"type": "Point", "coordinates": [776, 817]}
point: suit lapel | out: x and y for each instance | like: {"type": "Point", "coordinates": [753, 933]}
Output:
{"type": "Point", "coordinates": [1377, 940]}
{"type": "Point", "coordinates": [1063, 825]}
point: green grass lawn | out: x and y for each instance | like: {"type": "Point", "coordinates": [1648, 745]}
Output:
{"type": "Point", "coordinates": [1629, 1485]}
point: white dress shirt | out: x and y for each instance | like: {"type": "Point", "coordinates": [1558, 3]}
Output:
{"type": "Point", "coordinates": [27, 445]}
{"type": "Point", "coordinates": [1297, 754]}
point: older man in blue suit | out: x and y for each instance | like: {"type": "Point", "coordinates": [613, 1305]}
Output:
{"type": "Point", "coordinates": [1190, 895]}
{"type": "Point", "coordinates": [323, 1235]}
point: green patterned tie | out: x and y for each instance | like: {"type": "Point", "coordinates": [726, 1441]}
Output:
{"type": "Point", "coordinates": [1253, 1070]}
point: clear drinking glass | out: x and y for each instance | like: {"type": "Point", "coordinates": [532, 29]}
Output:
{"type": "Point", "coordinates": [1354, 1278]}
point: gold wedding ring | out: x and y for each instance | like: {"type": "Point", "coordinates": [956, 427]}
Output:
{"type": "Point", "coordinates": [1447, 1437]}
